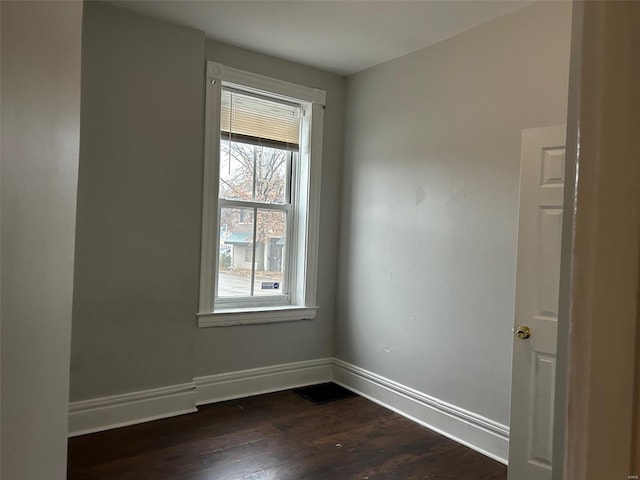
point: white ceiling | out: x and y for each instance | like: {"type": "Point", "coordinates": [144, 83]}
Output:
{"type": "Point", "coordinates": [340, 36]}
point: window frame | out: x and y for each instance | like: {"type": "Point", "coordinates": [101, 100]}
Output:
{"type": "Point", "coordinates": [301, 302]}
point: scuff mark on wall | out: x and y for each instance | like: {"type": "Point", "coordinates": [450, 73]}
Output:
{"type": "Point", "coordinates": [457, 188]}
{"type": "Point", "coordinates": [420, 194]}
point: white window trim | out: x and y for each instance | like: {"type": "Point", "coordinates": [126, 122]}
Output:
{"type": "Point", "coordinates": [302, 305]}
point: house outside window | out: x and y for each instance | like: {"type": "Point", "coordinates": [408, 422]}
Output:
{"type": "Point", "coordinates": [263, 150]}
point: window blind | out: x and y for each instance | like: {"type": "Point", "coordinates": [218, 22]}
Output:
{"type": "Point", "coordinates": [253, 119]}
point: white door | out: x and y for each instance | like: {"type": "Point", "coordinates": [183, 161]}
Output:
{"type": "Point", "coordinates": [536, 312]}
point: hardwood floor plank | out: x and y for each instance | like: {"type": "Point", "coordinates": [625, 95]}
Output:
{"type": "Point", "coordinates": [278, 436]}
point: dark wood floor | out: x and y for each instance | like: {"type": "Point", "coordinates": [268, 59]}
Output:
{"type": "Point", "coordinates": [279, 436]}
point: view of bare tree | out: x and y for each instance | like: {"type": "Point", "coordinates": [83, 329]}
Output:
{"type": "Point", "coordinates": [252, 173]}
{"type": "Point", "coordinates": [238, 163]}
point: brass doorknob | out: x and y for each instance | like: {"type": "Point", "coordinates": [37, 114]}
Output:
{"type": "Point", "coordinates": [523, 332]}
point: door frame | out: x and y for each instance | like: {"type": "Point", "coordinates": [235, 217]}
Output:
{"type": "Point", "coordinates": [598, 386]}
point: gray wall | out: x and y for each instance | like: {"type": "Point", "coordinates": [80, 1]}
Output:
{"type": "Point", "coordinates": [139, 207]}
{"type": "Point", "coordinates": [139, 202]}
{"type": "Point", "coordinates": [430, 204]}
{"type": "Point", "coordinates": [228, 349]}
{"type": "Point", "coordinates": [40, 136]}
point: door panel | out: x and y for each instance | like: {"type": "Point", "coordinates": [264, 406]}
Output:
{"type": "Point", "coordinates": [550, 225]}
{"type": "Point", "coordinates": [543, 374]}
{"type": "Point", "coordinates": [537, 286]}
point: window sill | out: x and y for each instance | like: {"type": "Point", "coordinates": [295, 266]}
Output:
{"type": "Point", "coordinates": [254, 316]}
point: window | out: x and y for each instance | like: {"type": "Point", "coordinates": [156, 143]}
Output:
{"type": "Point", "coordinates": [259, 143]}
{"type": "Point", "coordinates": [261, 199]}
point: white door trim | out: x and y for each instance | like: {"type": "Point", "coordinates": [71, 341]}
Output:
{"type": "Point", "coordinates": [601, 265]}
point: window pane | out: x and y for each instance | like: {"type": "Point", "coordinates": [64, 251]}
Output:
{"type": "Point", "coordinates": [270, 253]}
{"type": "Point", "coordinates": [236, 170]}
{"type": "Point", "coordinates": [236, 252]}
{"type": "Point", "coordinates": [271, 174]}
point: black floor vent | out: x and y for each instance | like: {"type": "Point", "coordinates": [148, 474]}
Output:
{"type": "Point", "coordinates": [324, 393]}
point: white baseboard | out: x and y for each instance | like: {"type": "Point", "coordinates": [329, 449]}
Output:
{"type": "Point", "coordinates": [95, 415]}
{"type": "Point", "coordinates": [479, 433]}
{"type": "Point", "coordinates": [468, 428]}
{"type": "Point", "coordinates": [244, 383]}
